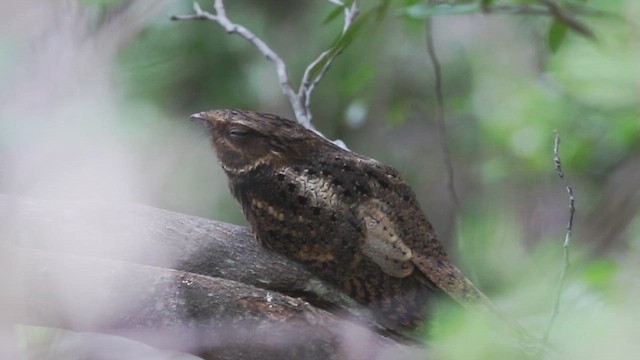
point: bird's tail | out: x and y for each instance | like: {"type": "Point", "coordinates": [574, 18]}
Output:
{"type": "Point", "coordinates": [453, 282]}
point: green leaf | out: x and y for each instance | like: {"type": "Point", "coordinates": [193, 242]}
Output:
{"type": "Point", "coordinates": [345, 39]}
{"type": "Point", "coordinates": [411, 2]}
{"type": "Point", "coordinates": [336, 11]}
{"type": "Point", "coordinates": [557, 34]}
{"type": "Point", "coordinates": [424, 10]}
{"type": "Point", "coordinates": [600, 275]}
{"type": "Point", "coordinates": [398, 113]}
{"type": "Point", "coordinates": [357, 81]}
{"type": "Point", "coordinates": [382, 9]}
{"type": "Point", "coordinates": [332, 15]}
{"type": "Point", "coordinates": [342, 42]}
{"type": "Point", "coordinates": [485, 3]}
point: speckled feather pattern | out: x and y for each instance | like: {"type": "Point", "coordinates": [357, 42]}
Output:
{"type": "Point", "coordinates": [352, 220]}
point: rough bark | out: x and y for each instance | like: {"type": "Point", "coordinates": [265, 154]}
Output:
{"type": "Point", "coordinates": [156, 237]}
{"type": "Point", "coordinates": [139, 272]}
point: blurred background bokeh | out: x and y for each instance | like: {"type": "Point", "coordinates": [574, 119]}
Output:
{"type": "Point", "coordinates": [95, 98]}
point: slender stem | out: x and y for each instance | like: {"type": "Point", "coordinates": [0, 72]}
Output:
{"type": "Point", "coordinates": [232, 28]}
{"type": "Point", "coordinates": [567, 236]}
{"type": "Point", "coordinates": [446, 156]}
{"type": "Point", "coordinates": [307, 85]}
{"type": "Point", "coordinates": [301, 100]}
{"type": "Point", "coordinates": [566, 18]}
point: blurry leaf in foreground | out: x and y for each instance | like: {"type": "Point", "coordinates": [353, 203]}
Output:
{"type": "Point", "coordinates": [557, 34]}
{"type": "Point", "coordinates": [600, 275]}
{"type": "Point", "coordinates": [360, 79]}
{"type": "Point", "coordinates": [382, 9]}
{"type": "Point", "coordinates": [341, 43]}
{"type": "Point", "coordinates": [398, 113]}
{"type": "Point", "coordinates": [455, 333]}
{"type": "Point", "coordinates": [486, 3]}
{"type": "Point", "coordinates": [333, 14]}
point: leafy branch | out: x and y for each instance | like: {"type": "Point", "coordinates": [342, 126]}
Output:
{"type": "Point", "coordinates": [565, 14]}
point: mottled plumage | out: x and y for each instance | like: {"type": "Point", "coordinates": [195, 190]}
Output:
{"type": "Point", "coordinates": [351, 219]}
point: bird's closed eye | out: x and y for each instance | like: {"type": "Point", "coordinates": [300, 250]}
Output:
{"type": "Point", "coordinates": [238, 132]}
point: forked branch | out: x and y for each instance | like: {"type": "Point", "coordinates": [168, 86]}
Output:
{"type": "Point", "coordinates": [300, 100]}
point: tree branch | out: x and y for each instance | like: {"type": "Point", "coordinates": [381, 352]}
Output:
{"type": "Point", "coordinates": [307, 85]}
{"type": "Point", "coordinates": [552, 8]}
{"type": "Point", "coordinates": [160, 238]}
{"type": "Point", "coordinates": [562, 16]}
{"type": "Point", "coordinates": [232, 28]}
{"type": "Point", "coordinates": [210, 317]}
{"type": "Point", "coordinates": [301, 100]}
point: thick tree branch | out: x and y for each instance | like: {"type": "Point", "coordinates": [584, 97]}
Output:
{"type": "Point", "coordinates": [155, 237]}
{"type": "Point", "coordinates": [165, 239]}
{"type": "Point", "coordinates": [174, 310]}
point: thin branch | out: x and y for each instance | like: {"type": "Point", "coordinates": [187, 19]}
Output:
{"type": "Point", "coordinates": [567, 237]}
{"type": "Point", "coordinates": [211, 317]}
{"type": "Point", "coordinates": [350, 13]}
{"type": "Point", "coordinates": [442, 137]}
{"type": "Point", "coordinates": [232, 28]}
{"type": "Point", "coordinates": [559, 14]}
{"type": "Point", "coordinates": [301, 100]}
{"type": "Point", "coordinates": [307, 85]}
{"type": "Point", "coordinates": [551, 8]}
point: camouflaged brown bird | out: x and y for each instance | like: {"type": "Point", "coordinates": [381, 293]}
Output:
{"type": "Point", "coordinates": [350, 219]}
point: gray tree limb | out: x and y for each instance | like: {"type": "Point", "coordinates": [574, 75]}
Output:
{"type": "Point", "coordinates": [210, 317]}
{"type": "Point", "coordinates": [170, 280]}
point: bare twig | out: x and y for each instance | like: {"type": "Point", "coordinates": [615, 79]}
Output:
{"type": "Point", "coordinates": [446, 156]}
{"type": "Point", "coordinates": [300, 100]}
{"type": "Point", "coordinates": [567, 237]}
{"type": "Point", "coordinates": [232, 28]}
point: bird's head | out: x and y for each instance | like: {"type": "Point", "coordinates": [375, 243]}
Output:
{"type": "Point", "coordinates": [244, 140]}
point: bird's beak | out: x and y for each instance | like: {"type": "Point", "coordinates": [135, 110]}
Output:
{"type": "Point", "coordinates": [199, 116]}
